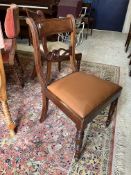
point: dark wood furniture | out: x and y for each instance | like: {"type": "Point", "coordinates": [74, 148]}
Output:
{"type": "Point", "coordinates": [3, 94]}
{"type": "Point", "coordinates": [12, 29]}
{"type": "Point", "coordinates": [127, 43]}
{"type": "Point", "coordinates": [48, 46]}
{"type": "Point", "coordinates": [89, 19]}
{"type": "Point", "coordinates": [49, 7]}
{"type": "Point", "coordinates": [79, 95]}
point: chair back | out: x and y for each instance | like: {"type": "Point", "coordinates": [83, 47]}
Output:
{"type": "Point", "coordinates": [49, 27]}
{"type": "Point", "coordinates": [12, 24]}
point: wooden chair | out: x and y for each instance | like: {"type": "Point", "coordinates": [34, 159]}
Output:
{"type": "Point", "coordinates": [127, 43]}
{"type": "Point", "coordinates": [9, 55]}
{"type": "Point", "coordinates": [80, 96]}
{"type": "Point", "coordinates": [3, 95]}
{"type": "Point", "coordinates": [52, 45]}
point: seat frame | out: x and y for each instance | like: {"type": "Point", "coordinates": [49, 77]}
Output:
{"type": "Point", "coordinates": [81, 123]}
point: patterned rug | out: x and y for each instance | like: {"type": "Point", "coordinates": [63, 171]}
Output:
{"type": "Point", "coordinates": [47, 148]}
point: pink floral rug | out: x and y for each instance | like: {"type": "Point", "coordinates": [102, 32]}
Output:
{"type": "Point", "coordinates": [47, 148]}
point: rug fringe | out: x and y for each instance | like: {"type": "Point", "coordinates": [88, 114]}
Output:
{"type": "Point", "coordinates": [118, 165]}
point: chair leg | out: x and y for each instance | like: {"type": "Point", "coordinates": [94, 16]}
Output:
{"type": "Point", "coordinates": [19, 63]}
{"type": "Point", "coordinates": [91, 29]}
{"type": "Point", "coordinates": [48, 71]}
{"type": "Point", "coordinates": [33, 75]}
{"type": "Point", "coordinates": [21, 71]}
{"type": "Point", "coordinates": [129, 55]}
{"type": "Point", "coordinates": [78, 64]}
{"type": "Point", "coordinates": [59, 66]}
{"type": "Point", "coordinates": [111, 112]}
{"type": "Point", "coordinates": [44, 108]}
{"type": "Point", "coordinates": [127, 44]}
{"type": "Point", "coordinates": [18, 78]}
{"type": "Point", "coordinates": [8, 119]}
{"type": "Point", "coordinates": [79, 141]}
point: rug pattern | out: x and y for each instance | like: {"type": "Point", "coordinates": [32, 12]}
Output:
{"type": "Point", "coordinates": [48, 148]}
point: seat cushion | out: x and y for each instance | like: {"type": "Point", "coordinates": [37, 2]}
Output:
{"type": "Point", "coordinates": [83, 92]}
{"type": "Point", "coordinates": [56, 45]}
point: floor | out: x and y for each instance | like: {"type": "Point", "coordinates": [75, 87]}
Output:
{"type": "Point", "coordinates": [108, 47]}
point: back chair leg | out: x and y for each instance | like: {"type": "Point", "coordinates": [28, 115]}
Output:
{"type": "Point", "coordinates": [44, 108]}
{"type": "Point", "coordinates": [111, 112]}
{"type": "Point", "coordinates": [129, 55]}
{"type": "Point", "coordinates": [79, 141]}
{"type": "Point", "coordinates": [21, 71]}
{"type": "Point", "coordinates": [78, 64]}
{"type": "Point", "coordinates": [48, 70]}
{"type": "Point", "coordinates": [8, 119]}
{"type": "Point", "coordinates": [59, 66]}
{"type": "Point", "coordinates": [18, 76]}
{"type": "Point", "coordinates": [33, 75]}
{"type": "Point", "coordinates": [127, 44]}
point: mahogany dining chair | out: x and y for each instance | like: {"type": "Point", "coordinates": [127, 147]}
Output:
{"type": "Point", "coordinates": [79, 95]}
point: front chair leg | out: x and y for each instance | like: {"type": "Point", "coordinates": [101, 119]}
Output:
{"type": "Point", "coordinates": [44, 108]}
{"type": "Point", "coordinates": [79, 141]}
{"type": "Point", "coordinates": [111, 112]}
{"type": "Point", "coordinates": [8, 119]}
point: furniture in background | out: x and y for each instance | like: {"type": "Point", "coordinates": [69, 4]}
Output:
{"type": "Point", "coordinates": [47, 46]}
{"type": "Point", "coordinates": [127, 43]}
{"type": "Point", "coordinates": [49, 7]}
{"type": "Point", "coordinates": [12, 29]}
{"type": "Point", "coordinates": [80, 96]}
{"type": "Point", "coordinates": [69, 7]}
{"type": "Point", "coordinates": [88, 18]}
{"type": "Point", "coordinates": [3, 96]}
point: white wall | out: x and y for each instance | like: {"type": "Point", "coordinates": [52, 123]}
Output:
{"type": "Point", "coordinates": [127, 19]}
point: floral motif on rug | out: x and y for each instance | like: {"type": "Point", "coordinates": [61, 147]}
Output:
{"type": "Point", "coordinates": [48, 148]}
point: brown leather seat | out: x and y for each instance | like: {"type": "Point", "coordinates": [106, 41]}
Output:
{"type": "Point", "coordinates": [94, 91]}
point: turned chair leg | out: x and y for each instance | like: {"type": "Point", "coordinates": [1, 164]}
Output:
{"type": "Point", "coordinates": [79, 141]}
{"type": "Point", "coordinates": [111, 112]}
{"type": "Point", "coordinates": [8, 119]}
{"type": "Point", "coordinates": [44, 108]}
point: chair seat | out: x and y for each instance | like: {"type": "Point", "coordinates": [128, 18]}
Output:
{"type": "Point", "coordinates": [83, 92]}
{"type": "Point", "coordinates": [55, 46]}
